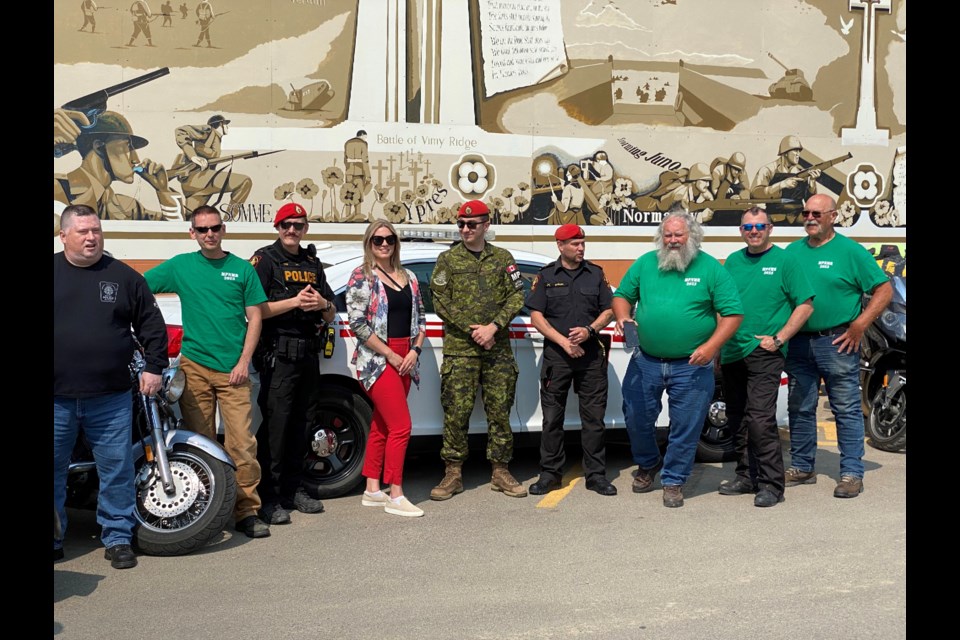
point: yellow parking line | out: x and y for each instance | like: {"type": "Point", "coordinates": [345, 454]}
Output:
{"type": "Point", "coordinates": [827, 434]}
{"type": "Point", "coordinates": [553, 498]}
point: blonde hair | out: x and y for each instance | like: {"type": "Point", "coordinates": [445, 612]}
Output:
{"type": "Point", "coordinates": [369, 262]}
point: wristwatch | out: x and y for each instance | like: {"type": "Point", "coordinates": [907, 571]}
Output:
{"type": "Point", "coordinates": [418, 350]}
{"type": "Point", "coordinates": [328, 307]}
{"type": "Point", "coordinates": [777, 342]}
{"type": "Point", "coordinates": [591, 330]}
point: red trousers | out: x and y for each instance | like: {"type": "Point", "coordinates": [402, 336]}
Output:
{"type": "Point", "coordinates": [390, 426]}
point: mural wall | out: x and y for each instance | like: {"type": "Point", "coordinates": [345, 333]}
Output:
{"type": "Point", "coordinates": [597, 112]}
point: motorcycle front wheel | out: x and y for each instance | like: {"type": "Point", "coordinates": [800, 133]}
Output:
{"type": "Point", "coordinates": [886, 426]}
{"type": "Point", "coordinates": [178, 524]}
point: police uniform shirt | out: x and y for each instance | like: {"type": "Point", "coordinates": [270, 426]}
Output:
{"type": "Point", "coordinates": [570, 298]}
{"type": "Point", "coordinates": [285, 279]}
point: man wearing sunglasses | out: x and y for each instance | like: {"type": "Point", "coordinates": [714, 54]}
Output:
{"type": "Point", "coordinates": [828, 345]}
{"type": "Point", "coordinates": [477, 291]}
{"type": "Point", "coordinates": [220, 298]}
{"type": "Point", "coordinates": [777, 299]}
{"type": "Point", "coordinates": [299, 304]}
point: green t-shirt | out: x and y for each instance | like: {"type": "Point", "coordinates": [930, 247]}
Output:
{"type": "Point", "coordinates": [840, 272]}
{"type": "Point", "coordinates": [771, 286]}
{"type": "Point", "coordinates": [676, 312]}
{"type": "Point", "coordinates": [214, 295]}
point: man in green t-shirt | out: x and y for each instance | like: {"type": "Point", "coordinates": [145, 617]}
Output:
{"type": "Point", "coordinates": [828, 345]}
{"type": "Point", "coordinates": [777, 299]}
{"type": "Point", "coordinates": [220, 295]}
{"type": "Point", "coordinates": [687, 306]}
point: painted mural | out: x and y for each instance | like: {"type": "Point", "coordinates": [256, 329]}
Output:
{"type": "Point", "coordinates": [599, 112]}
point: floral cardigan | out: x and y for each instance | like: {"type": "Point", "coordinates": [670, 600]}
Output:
{"type": "Point", "coordinates": [367, 315]}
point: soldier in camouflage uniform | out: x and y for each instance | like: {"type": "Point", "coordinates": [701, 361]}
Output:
{"type": "Point", "coordinates": [477, 291]}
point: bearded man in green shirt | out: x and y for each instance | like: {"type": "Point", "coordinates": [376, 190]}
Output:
{"type": "Point", "coordinates": [687, 306]}
{"type": "Point", "coordinates": [777, 299]}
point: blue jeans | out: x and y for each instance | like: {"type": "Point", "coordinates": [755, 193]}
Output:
{"type": "Point", "coordinates": [106, 422]}
{"type": "Point", "coordinates": [689, 389]}
{"type": "Point", "coordinates": [810, 358]}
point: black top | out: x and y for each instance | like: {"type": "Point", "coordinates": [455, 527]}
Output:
{"type": "Point", "coordinates": [283, 276]}
{"type": "Point", "coordinates": [399, 311]}
{"type": "Point", "coordinates": [94, 309]}
{"type": "Point", "coordinates": [570, 298]}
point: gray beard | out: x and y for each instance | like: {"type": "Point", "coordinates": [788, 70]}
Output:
{"type": "Point", "coordinates": [676, 260]}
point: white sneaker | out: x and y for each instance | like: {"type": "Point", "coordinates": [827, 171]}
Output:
{"type": "Point", "coordinates": [374, 500]}
{"type": "Point", "coordinates": [403, 508]}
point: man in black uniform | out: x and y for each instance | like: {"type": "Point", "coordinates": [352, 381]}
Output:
{"type": "Point", "coordinates": [570, 303]}
{"type": "Point", "coordinates": [299, 302]}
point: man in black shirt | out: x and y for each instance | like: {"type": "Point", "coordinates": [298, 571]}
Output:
{"type": "Point", "coordinates": [96, 301]}
{"type": "Point", "coordinates": [570, 303]}
{"type": "Point", "coordinates": [299, 302]}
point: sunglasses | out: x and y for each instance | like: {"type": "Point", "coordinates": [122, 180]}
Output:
{"type": "Point", "coordinates": [203, 230]}
{"type": "Point", "coordinates": [469, 225]}
{"type": "Point", "coordinates": [379, 240]}
{"type": "Point", "coordinates": [286, 224]}
{"type": "Point", "coordinates": [816, 214]}
{"type": "Point", "coordinates": [750, 226]}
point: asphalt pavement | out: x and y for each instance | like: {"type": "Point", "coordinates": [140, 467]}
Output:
{"type": "Point", "coordinates": [571, 564]}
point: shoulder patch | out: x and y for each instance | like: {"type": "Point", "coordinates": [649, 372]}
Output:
{"type": "Point", "coordinates": [255, 260]}
{"type": "Point", "coordinates": [440, 278]}
{"type": "Point", "coordinates": [533, 285]}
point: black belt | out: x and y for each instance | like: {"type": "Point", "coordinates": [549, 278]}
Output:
{"type": "Point", "coordinates": [684, 358]}
{"type": "Point", "coordinates": [832, 331]}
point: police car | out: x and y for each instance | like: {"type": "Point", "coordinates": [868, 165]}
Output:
{"type": "Point", "coordinates": [336, 443]}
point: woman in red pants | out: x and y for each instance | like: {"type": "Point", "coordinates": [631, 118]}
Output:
{"type": "Point", "coordinates": [386, 313]}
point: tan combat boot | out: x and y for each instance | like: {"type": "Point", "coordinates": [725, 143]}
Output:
{"type": "Point", "coordinates": [451, 484]}
{"type": "Point", "coordinates": [501, 480]}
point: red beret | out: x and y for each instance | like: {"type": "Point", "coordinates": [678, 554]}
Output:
{"type": "Point", "coordinates": [473, 209]}
{"type": "Point", "coordinates": [568, 232]}
{"type": "Point", "coordinates": [289, 210]}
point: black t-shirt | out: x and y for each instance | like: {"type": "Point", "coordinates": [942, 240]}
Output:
{"type": "Point", "coordinates": [97, 311]}
{"type": "Point", "coordinates": [399, 311]}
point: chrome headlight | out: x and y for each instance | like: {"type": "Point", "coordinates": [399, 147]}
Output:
{"type": "Point", "coordinates": [174, 381]}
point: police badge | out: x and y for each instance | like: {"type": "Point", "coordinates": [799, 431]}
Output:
{"type": "Point", "coordinates": [108, 291]}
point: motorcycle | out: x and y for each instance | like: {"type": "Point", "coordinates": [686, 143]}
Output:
{"type": "Point", "coordinates": [883, 363]}
{"type": "Point", "coordinates": [186, 488]}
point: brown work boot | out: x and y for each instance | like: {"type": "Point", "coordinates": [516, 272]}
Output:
{"type": "Point", "coordinates": [452, 482]}
{"type": "Point", "coordinates": [673, 495]}
{"type": "Point", "coordinates": [848, 487]}
{"type": "Point", "coordinates": [794, 477]}
{"type": "Point", "coordinates": [501, 480]}
{"type": "Point", "coordinates": [643, 478]}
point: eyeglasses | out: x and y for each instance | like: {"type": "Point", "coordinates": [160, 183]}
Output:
{"type": "Point", "coordinates": [286, 224]}
{"type": "Point", "coordinates": [379, 240]}
{"type": "Point", "coordinates": [759, 226]}
{"type": "Point", "coordinates": [816, 214]}
{"type": "Point", "coordinates": [469, 225]}
{"type": "Point", "coordinates": [203, 230]}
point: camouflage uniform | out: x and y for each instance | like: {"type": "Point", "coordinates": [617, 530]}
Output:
{"type": "Point", "coordinates": [467, 290]}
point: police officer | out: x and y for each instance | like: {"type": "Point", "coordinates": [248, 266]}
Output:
{"type": "Point", "coordinates": [477, 290]}
{"type": "Point", "coordinates": [299, 302]}
{"type": "Point", "coordinates": [570, 303]}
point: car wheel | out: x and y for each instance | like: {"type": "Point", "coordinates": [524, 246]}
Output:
{"type": "Point", "coordinates": [716, 439]}
{"type": "Point", "coordinates": [336, 444]}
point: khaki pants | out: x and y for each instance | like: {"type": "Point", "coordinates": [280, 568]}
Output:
{"type": "Point", "coordinates": [206, 389]}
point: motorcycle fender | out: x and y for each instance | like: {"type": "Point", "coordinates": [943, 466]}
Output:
{"type": "Point", "coordinates": [183, 437]}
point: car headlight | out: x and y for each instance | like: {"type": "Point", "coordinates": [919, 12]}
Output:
{"type": "Point", "coordinates": [174, 381]}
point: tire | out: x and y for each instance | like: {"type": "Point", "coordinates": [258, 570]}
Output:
{"type": "Point", "coordinates": [886, 428]}
{"type": "Point", "coordinates": [716, 442]}
{"type": "Point", "coordinates": [206, 492]}
{"type": "Point", "coordinates": [343, 427]}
